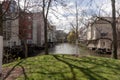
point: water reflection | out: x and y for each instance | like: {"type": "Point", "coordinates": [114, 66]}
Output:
{"type": "Point", "coordinates": [64, 48]}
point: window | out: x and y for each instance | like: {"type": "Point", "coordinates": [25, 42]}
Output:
{"type": "Point", "coordinates": [29, 35]}
{"type": "Point", "coordinates": [7, 30]}
{"type": "Point", "coordinates": [104, 34]}
{"type": "Point", "coordinates": [29, 41]}
{"type": "Point", "coordinates": [13, 6]}
{"type": "Point", "coordinates": [103, 44]}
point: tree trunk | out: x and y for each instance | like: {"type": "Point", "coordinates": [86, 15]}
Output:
{"type": "Point", "coordinates": [45, 14]}
{"type": "Point", "coordinates": [45, 32]}
{"type": "Point", "coordinates": [114, 32]}
{"type": "Point", "coordinates": [26, 49]}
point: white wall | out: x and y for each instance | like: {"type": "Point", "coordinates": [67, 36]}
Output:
{"type": "Point", "coordinates": [89, 33]}
{"type": "Point", "coordinates": [34, 31]}
{"type": "Point", "coordinates": [94, 32]}
{"type": "Point", "coordinates": [42, 31]}
{"type": "Point", "coordinates": [1, 53]}
{"type": "Point", "coordinates": [38, 29]}
{"type": "Point", "coordinates": [14, 34]}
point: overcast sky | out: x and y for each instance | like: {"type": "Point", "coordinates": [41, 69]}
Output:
{"type": "Point", "coordinates": [63, 16]}
{"type": "Point", "coordinates": [87, 8]}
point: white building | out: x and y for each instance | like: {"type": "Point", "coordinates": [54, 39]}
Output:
{"type": "Point", "coordinates": [10, 25]}
{"type": "Point", "coordinates": [51, 33]}
{"type": "Point", "coordinates": [38, 29]}
{"type": "Point", "coordinates": [11, 33]}
{"type": "Point", "coordinates": [99, 34]}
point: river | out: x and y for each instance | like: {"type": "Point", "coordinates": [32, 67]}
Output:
{"type": "Point", "coordinates": [64, 48]}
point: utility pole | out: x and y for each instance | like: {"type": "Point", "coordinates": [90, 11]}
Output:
{"type": "Point", "coordinates": [1, 39]}
{"type": "Point", "coordinates": [77, 49]}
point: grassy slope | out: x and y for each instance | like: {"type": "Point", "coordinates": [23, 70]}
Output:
{"type": "Point", "coordinates": [59, 67]}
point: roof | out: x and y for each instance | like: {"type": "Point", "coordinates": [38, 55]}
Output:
{"type": "Point", "coordinates": [104, 20]}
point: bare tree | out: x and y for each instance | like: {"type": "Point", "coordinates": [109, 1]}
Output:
{"type": "Point", "coordinates": [45, 9]}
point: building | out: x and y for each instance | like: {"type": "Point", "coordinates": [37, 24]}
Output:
{"type": "Point", "coordinates": [25, 27]}
{"type": "Point", "coordinates": [82, 35]}
{"type": "Point", "coordinates": [61, 36]}
{"type": "Point", "coordinates": [51, 33]}
{"type": "Point", "coordinates": [38, 29]}
{"type": "Point", "coordinates": [99, 34]}
{"type": "Point", "coordinates": [10, 25]}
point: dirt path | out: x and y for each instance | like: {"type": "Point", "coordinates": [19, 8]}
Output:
{"type": "Point", "coordinates": [13, 75]}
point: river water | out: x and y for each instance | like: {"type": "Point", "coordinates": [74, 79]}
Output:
{"type": "Point", "coordinates": [65, 48]}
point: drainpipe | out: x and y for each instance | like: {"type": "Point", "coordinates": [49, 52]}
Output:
{"type": "Point", "coordinates": [1, 39]}
{"type": "Point", "coordinates": [1, 53]}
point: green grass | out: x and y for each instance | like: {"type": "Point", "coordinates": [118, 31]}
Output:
{"type": "Point", "coordinates": [59, 67]}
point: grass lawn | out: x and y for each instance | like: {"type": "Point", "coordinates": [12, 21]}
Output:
{"type": "Point", "coordinates": [67, 67]}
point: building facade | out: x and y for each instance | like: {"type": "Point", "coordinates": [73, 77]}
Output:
{"type": "Point", "coordinates": [51, 33]}
{"type": "Point", "coordinates": [38, 29]}
{"type": "Point", "coordinates": [99, 34]}
{"type": "Point", "coordinates": [10, 24]}
{"type": "Point", "coordinates": [25, 27]}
